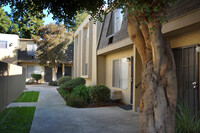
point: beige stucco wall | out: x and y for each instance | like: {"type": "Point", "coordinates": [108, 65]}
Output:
{"type": "Point", "coordinates": [25, 64]}
{"type": "Point", "coordinates": [184, 36]}
{"type": "Point", "coordinates": [109, 72]}
{"type": "Point", "coordinates": [85, 52]}
{"type": "Point", "coordinates": [9, 54]}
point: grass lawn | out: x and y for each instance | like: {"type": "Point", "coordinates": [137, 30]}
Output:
{"type": "Point", "coordinates": [16, 119]}
{"type": "Point", "coordinates": [29, 96]}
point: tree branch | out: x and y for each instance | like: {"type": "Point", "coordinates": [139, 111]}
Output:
{"type": "Point", "coordinates": [136, 36]}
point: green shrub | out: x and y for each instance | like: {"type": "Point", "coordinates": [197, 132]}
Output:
{"type": "Point", "coordinates": [184, 123]}
{"type": "Point", "coordinates": [100, 93]}
{"type": "Point", "coordinates": [83, 92]}
{"type": "Point", "coordinates": [70, 85]}
{"type": "Point", "coordinates": [74, 101]}
{"type": "Point", "coordinates": [53, 83]}
{"type": "Point", "coordinates": [36, 76]}
{"type": "Point", "coordinates": [64, 79]}
{"type": "Point", "coordinates": [64, 94]}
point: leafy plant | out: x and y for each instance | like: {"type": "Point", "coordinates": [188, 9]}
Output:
{"type": "Point", "coordinates": [74, 101]}
{"type": "Point", "coordinates": [70, 85]}
{"type": "Point", "coordinates": [36, 76]}
{"type": "Point", "coordinates": [64, 94]}
{"type": "Point", "coordinates": [100, 93]}
{"type": "Point", "coordinates": [53, 83]}
{"type": "Point", "coordinates": [83, 92]}
{"type": "Point", "coordinates": [64, 79]}
{"type": "Point", "coordinates": [184, 123]}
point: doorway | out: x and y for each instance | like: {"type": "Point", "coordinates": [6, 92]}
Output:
{"type": "Point", "coordinates": [187, 71]}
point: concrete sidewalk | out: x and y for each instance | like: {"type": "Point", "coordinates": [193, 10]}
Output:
{"type": "Point", "coordinates": [53, 116]}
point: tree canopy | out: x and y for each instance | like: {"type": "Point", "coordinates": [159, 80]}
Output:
{"type": "Point", "coordinates": [52, 40]}
{"type": "Point", "coordinates": [78, 19]}
{"type": "Point", "coordinates": [6, 25]}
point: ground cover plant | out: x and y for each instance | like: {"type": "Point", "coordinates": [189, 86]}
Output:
{"type": "Point", "coordinates": [29, 96]}
{"type": "Point", "coordinates": [16, 119]}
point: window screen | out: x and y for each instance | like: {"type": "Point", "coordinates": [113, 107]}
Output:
{"type": "Point", "coordinates": [3, 44]}
{"type": "Point", "coordinates": [120, 73]}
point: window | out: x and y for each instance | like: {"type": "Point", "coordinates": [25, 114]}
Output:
{"type": "Point", "coordinates": [33, 69]}
{"type": "Point", "coordinates": [115, 22]}
{"type": "Point", "coordinates": [120, 73]}
{"type": "Point", "coordinates": [31, 49]}
{"type": "Point", "coordinates": [3, 44]}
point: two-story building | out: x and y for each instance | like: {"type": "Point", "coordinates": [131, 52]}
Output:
{"type": "Point", "coordinates": [118, 65]}
{"type": "Point", "coordinates": [22, 52]}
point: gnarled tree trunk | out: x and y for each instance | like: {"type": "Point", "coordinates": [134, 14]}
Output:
{"type": "Point", "coordinates": [159, 83]}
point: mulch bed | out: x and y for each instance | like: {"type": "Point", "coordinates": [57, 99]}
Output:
{"type": "Point", "coordinates": [110, 103]}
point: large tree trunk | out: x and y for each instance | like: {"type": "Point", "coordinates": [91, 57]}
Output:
{"type": "Point", "coordinates": [159, 83]}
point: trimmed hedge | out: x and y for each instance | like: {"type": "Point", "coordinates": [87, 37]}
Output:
{"type": "Point", "coordinates": [70, 85]}
{"type": "Point", "coordinates": [83, 92]}
{"type": "Point", "coordinates": [75, 102]}
{"type": "Point", "coordinates": [53, 83]}
{"type": "Point", "coordinates": [100, 93]}
{"type": "Point", "coordinates": [64, 79]}
{"type": "Point", "coordinates": [36, 76]}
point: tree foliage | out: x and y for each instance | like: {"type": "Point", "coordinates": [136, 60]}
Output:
{"type": "Point", "coordinates": [6, 25]}
{"type": "Point", "coordinates": [52, 40]}
{"type": "Point", "coordinates": [78, 19]}
{"type": "Point", "coordinates": [27, 24]}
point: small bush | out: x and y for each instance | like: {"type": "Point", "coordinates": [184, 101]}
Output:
{"type": "Point", "coordinates": [70, 85]}
{"type": "Point", "coordinates": [100, 93]}
{"type": "Point", "coordinates": [73, 101]}
{"type": "Point", "coordinates": [53, 83]}
{"type": "Point", "coordinates": [64, 79]}
{"type": "Point", "coordinates": [83, 92]}
{"type": "Point", "coordinates": [36, 76]}
{"type": "Point", "coordinates": [64, 94]}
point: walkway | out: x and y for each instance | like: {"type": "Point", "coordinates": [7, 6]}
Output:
{"type": "Point", "coordinates": [53, 116]}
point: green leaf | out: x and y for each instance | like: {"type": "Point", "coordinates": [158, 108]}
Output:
{"type": "Point", "coordinates": [155, 9]}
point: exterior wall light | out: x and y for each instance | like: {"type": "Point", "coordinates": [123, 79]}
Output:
{"type": "Point", "coordinates": [198, 48]}
{"type": "Point", "coordinates": [128, 59]}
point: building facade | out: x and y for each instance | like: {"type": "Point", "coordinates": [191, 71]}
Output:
{"type": "Point", "coordinates": [22, 51]}
{"type": "Point", "coordinates": [26, 58]}
{"type": "Point", "coordinates": [118, 64]}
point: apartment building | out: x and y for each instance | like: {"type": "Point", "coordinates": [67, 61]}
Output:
{"type": "Point", "coordinates": [117, 63]}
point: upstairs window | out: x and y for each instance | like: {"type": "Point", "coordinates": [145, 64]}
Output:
{"type": "Point", "coordinates": [115, 22]}
{"type": "Point", "coordinates": [31, 49]}
{"type": "Point", "coordinates": [3, 44]}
